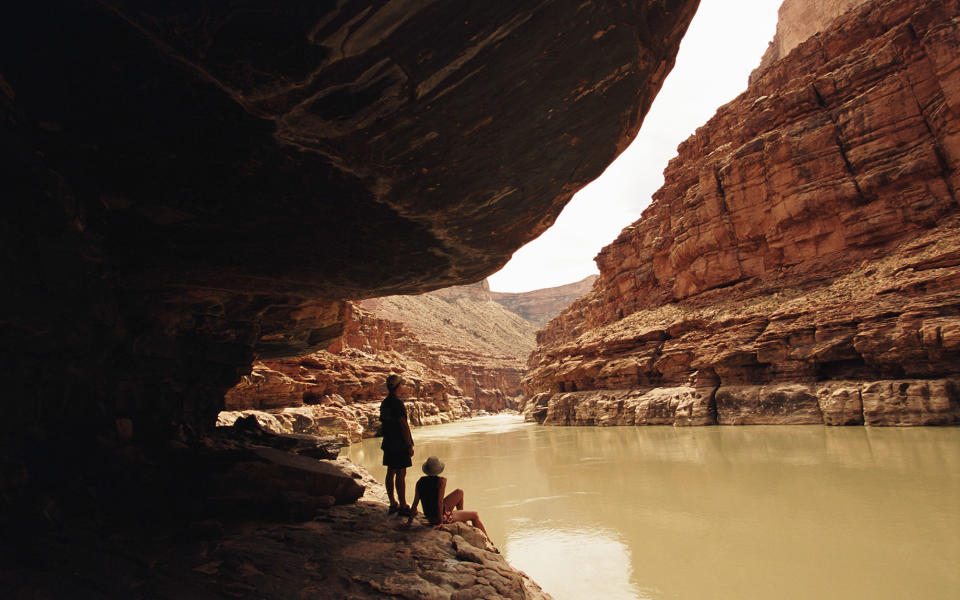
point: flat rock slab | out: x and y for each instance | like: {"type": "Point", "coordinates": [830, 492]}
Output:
{"type": "Point", "coordinates": [282, 470]}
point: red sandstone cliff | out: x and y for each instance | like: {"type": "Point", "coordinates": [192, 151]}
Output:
{"type": "Point", "coordinates": [801, 263]}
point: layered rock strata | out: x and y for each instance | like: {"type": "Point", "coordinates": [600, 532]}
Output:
{"type": "Point", "coordinates": [192, 186]}
{"type": "Point", "coordinates": [801, 263]}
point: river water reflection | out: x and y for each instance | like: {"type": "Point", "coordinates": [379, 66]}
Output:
{"type": "Point", "coordinates": [709, 512]}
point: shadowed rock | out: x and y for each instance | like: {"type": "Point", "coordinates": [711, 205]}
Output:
{"type": "Point", "coordinates": [189, 186]}
{"type": "Point", "coordinates": [195, 185]}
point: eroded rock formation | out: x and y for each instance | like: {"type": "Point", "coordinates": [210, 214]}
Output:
{"type": "Point", "coordinates": [338, 391]}
{"type": "Point", "coordinates": [801, 263]}
{"type": "Point", "coordinates": [192, 186]}
{"type": "Point", "coordinates": [458, 348]}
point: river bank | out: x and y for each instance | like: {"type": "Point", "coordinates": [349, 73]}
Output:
{"type": "Point", "coordinates": [348, 423]}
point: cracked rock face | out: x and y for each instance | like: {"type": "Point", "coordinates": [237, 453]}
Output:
{"type": "Point", "coordinates": [800, 263]}
{"type": "Point", "coordinates": [197, 185]}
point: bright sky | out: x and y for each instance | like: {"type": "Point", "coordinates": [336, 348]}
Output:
{"type": "Point", "coordinates": [723, 44]}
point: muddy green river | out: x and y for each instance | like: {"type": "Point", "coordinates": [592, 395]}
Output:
{"type": "Point", "coordinates": [804, 512]}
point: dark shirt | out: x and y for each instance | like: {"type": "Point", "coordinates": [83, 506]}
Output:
{"type": "Point", "coordinates": [428, 488]}
{"type": "Point", "coordinates": [391, 411]}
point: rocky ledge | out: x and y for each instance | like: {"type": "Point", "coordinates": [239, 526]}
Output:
{"type": "Point", "coordinates": [233, 519]}
{"type": "Point", "coordinates": [801, 263]}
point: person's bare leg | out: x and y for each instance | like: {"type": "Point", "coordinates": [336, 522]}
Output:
{"type": "Point", "coordinates": [479, 524]}
{"type": "Point", "coordinates": [454, 500]}
{"type": "Point", "coordinates": [401, 486]}
{"type": "Point", "coordinates": [472, 516]}
{"type": "Point", "coordinates": [391, 474]}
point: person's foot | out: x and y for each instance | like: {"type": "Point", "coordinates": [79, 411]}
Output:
{"type": "Point", "coordinates": [393, 508]}
{"type": "Point", "coordinates": [404, 511]}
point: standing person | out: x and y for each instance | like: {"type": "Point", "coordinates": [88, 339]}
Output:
{"type": "Point", "coordinates": [437, 508]}
{"type": "Point", "coordinates": [397, 444]}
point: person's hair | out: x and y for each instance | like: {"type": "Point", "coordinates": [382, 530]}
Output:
{"type": "Point", "coordinates": [393, 382]}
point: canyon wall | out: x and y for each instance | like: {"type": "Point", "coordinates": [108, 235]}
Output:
{"type": "Point", "coordinates": [468, 336]}
{"type": "Point", "coordinates": [801, 263]}
{"type": "Point", "coordinates": [193, 186]}
{"type": "Point", "coordinates": [458, 351]}
{"type": "Point", "coordinates": [458, 348]}
{"type": "Point", "coordinates": [539, 306]}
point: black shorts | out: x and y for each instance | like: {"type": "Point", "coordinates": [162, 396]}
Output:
{"type": "Point", "coordinates": [397, 459]}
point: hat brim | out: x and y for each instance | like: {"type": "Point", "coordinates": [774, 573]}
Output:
{"type": "Point", "coordinates": [430, 472]}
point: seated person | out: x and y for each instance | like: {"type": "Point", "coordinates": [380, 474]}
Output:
{"type": "Point", "coordinates": [440, 509]}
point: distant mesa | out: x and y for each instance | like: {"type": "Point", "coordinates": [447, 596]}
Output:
{"type": "Point", "coordinates": [539, 306]}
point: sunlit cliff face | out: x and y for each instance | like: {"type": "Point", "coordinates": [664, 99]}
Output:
{"type": "Point", "coordinates": [799, 264]}
{"type": "Point", "coordinates": [196, 186]}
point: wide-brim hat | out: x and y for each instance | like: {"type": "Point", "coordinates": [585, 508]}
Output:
{"type": "Point", "coordinates": [433, 466]}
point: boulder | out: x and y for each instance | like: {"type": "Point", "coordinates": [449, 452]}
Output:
{"type": "Point", "coordinates": [275, 472]}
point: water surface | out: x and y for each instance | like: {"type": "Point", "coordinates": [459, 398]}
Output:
{"type": "Point", "coordinates": [709, 512]}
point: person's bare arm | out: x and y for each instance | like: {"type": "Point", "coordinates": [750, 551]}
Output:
{"type": "Point", "coordinates": [405, 427]}
{"type": "Point", "coordinates": [413, 507]}
{"type": "Point", "coordinates": [440, 496]}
